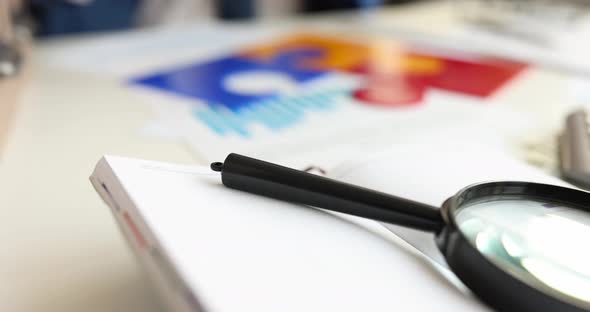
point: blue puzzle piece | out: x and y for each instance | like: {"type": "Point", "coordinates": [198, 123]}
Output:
{"type": "Point", "coordinates": [204, 81]}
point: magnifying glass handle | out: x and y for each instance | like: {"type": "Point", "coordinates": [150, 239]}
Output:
{"type": "Point", "coordinates": [271, 180]}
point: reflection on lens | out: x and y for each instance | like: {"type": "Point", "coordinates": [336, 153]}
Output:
{"type": "Point", "coordinates": [484, 240]}
{"type": "Point", "coordinates": [513, 248]}
{"type": "Point", "coordinates": [556, 277]}
{"type": "Point", "coordinates": [541, 243]}
{"type": "Point", "coordinates": [560, 240]}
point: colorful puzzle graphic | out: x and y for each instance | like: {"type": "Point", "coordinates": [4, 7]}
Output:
{"type": "Point", "coordinates": [260, 85]}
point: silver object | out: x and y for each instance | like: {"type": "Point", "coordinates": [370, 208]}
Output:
{"type": "Point", "coordinates": [574, 149]}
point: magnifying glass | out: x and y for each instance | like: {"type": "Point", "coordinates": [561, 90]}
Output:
{"type": "Point", "coordinates": [518, 246]}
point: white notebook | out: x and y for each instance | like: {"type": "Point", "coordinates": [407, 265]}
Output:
{"type": "Point", "coordinates": [209, 248]}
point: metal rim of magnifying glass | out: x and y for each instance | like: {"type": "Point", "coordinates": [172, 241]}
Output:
{"type": "Point", "coordinates": [494, 286]}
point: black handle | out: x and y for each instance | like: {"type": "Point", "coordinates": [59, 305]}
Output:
{"type": "Point", "coordinates": [271, 180]}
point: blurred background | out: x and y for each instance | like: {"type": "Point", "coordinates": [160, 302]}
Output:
{"type": "Point", "coordinates": [51, 18]}
{"type": "Point", "coordinates": [303, 82]}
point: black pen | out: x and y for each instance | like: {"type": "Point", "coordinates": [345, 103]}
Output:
{"type": "Point", "coordinates": [271, 180]}
{"type": "Point", "coordinates": [487, 269]}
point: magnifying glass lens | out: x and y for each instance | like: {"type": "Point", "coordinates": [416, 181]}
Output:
{"type": "Point", "coordinates": [541, 243]}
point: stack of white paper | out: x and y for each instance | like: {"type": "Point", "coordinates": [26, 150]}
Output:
{"type": "Point", "coordinates": [209, 248]}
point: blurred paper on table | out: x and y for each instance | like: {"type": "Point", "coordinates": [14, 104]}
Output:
{"type": "Point", "coordinates": [311, 89]}
{"type": "Point", "coordinates": [123, 55]}
{"type": "Point", "coordinates": [547, 33]}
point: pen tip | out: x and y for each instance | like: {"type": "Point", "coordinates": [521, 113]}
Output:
{"type": "Point", "coordinates": [217, 166]}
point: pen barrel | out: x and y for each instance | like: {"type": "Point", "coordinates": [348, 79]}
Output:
{"type": "Point", "coordinates": [271, 180]}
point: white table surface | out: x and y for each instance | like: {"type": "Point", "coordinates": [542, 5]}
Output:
{"type": "Point", "coordinates": [62, 250]}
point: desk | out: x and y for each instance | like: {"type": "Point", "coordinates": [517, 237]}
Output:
{"type": "Point", "coordinates": [62, 250]}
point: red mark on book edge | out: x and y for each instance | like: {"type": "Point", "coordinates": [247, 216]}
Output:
{"type": "Point", "coordinates": [141, 241]}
